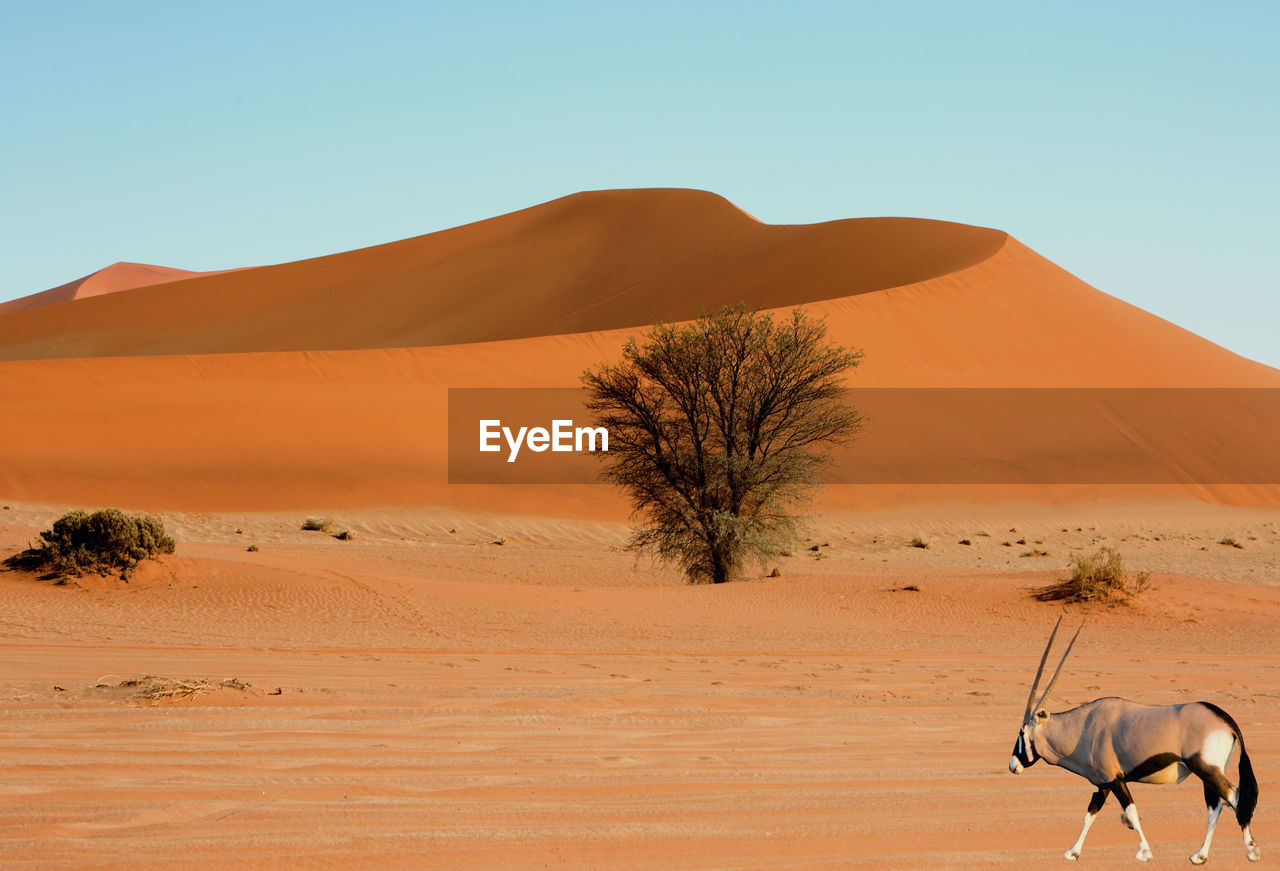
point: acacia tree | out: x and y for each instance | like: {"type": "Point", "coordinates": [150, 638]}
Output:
{"type": "Point", "coordinates": [717, 432]}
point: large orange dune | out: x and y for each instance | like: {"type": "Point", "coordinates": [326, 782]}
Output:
{"type": "Point", "coordinates": [591, 261]}
{"type": "Point", "coordinates": [325, 381]}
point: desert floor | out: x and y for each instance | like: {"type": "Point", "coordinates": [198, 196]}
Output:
{"type": "Point", "coordinates": [422, 697]}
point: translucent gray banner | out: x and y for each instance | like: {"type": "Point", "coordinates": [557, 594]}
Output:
{"type": "Point", "coordinates": [926, 436]}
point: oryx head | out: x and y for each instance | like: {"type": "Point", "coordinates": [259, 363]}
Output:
{"type": "Point", "coordinates": [1024, 749]}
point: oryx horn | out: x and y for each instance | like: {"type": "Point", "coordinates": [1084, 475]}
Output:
{"type": "Point", "coordinates": [1026, 718]}
{"type": "Point", "coordinates": [1044, 695]}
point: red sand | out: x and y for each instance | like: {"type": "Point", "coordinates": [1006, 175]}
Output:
{"type": "Point", "coordinates": [447, 703]}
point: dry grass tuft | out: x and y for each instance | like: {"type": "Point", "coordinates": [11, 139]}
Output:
{"type": "Point", "coordinates": [155, 690]}
{"type": "Point", "coordinates": [1097, 577]}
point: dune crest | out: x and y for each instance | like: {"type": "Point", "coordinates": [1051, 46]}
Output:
{"type": "Point", "coordinates": [590, 261]}
{"type": "Point", "coordinates": [110, 279]}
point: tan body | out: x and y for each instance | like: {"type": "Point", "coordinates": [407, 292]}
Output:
{"type": "Point", "coordinates": [1111, 738]}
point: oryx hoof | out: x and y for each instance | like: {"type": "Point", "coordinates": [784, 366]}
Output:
{"type": "Point", "coordinates": [1072, 854]}
{"type": "Point", "coordinates": [1198, 857]}
{"type": "Point", "coordinates": [1252, 853]}
{"type": "Point", "coordinates": [1144, 854]}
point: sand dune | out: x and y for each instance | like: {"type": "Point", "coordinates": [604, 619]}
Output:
{"type": "Point", "coordinates": [126, 401]}
{"type": "Point", "coordinates": [111, 279]}
{"type": "Point", "coordinates": [592, 261]}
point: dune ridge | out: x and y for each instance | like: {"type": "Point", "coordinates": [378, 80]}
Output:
{"type": "Point", "coordinates": [590, 261]}
{"type": "Point", "coordinates": [110, 279]}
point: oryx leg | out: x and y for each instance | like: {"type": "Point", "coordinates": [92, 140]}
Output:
{"type": "Point", "coordinates": [1251, 850]}
{"type": "Point", "coordinates": [1129, 816]}
{"type": "Point", "coordinates": [1095, 805]}
{"type": "Point", "coordinates": [1218, 792]}
{"type": "Point", "coordinates": [1215, 802]}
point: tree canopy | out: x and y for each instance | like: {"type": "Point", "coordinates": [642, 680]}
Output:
{"type": "Point", "coordinates": [718, 430]}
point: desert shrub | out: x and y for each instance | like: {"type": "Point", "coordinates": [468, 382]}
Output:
{"type": "Point", "coordinates": [316, 524]}
{"type": "Point", "coordinates": [105, 542]}
{"type": "Point", "coordinates": [345, 535]}
{"type": "Point", "coordinates": [920, 541]}
{"type": "Point", "coordinates": [1097, 577]}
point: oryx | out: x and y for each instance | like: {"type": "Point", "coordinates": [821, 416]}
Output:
{"type": "Point", "coordinates": [1114, 742]}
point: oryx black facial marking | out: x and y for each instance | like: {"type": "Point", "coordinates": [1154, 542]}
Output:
{"type": "Point", "coordinates": [1024, 752]}
{"type": "Point", "coordinates": [1113, 742]}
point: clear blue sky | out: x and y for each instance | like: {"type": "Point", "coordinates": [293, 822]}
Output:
{"type": "Point", "coordinates": [1134, 143]}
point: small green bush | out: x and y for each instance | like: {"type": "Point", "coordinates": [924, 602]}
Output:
{"type": "Point", "coordinates": [1098, 577]}
{"type": "Point", "coordinates": [106, 542]}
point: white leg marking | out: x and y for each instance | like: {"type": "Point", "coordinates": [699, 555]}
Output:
{"type": "Point", "coordinates": [1251, 846]}
{"type": "Point", "coordinates": [1131, 820]}
{"type": "Point", "coordinates": [1074, 852]}
{"type": "Point", "coordinates": [1199, 857]}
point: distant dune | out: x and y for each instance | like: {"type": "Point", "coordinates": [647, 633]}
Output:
{"type": "Point", "coordinates": [116, 277]}
{"type": "Point", "coordinates": [324, 382]}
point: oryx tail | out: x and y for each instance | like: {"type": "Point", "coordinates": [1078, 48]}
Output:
{"type": "Point", "coordinates": [1247, 791]}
